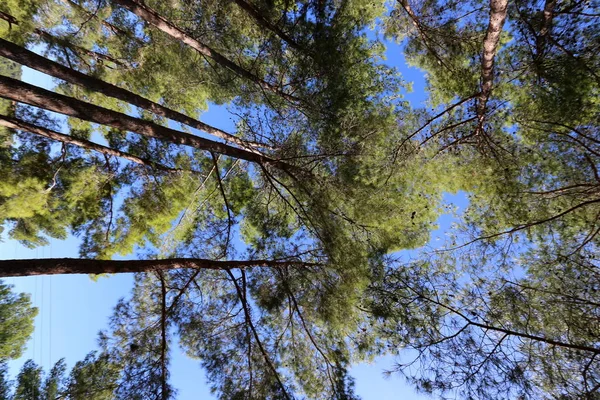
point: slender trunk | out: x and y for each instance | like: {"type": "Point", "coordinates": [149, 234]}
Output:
{"type": "Point", "coordinates": [39, 63]}
{"type": "Point", "coordinates": [163, 338]}
{"type": "Point", "coordinates": [14, 123]}
{"type": "Point", "coordinates": [57, 266]}
{"type": "Point", "coordinates": [545, 31]}
{"type": "Point", "coordinates": [536, 338]}
{"type": "Point", "coordinates": [16, 90]}
{"type": "Point", "coordinates": [152, 17]}
{"type": "Point", "coordinates": [9, 18]}
{"type": "Point", "coordinates": [242, 297]}
{"type": "Point", "coordinates": [51, 39]}
{"type": "Point", "coordinates": [262, 21]}
{"type": "Point", "coordinates": [424, 36]}
{"type": "Point", "coordinates": [498, 10]}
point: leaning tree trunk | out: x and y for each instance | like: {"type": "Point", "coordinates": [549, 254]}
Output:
{"type": "Point", "coordinates": [152, 17]}
{"type": "Point", "coordinates": [546, 30]}
{"type": "Point", "coordinates": [42, 64]}
{"type": "Point", "coordinates": [15, 123]}
{"type": "Point", "coordinates": [16, 90]}
{"type": "Point", "coordinates": [490, 46]}
{"type": "Point", "coordinates": [265, 23]}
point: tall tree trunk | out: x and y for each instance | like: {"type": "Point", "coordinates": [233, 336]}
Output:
{"type": "Point", "coordinates": [498, 10]}
{"type": "Point", "coordinates": [15, 123]}
{"type": "Point", "coordinates": [264, 22]}
{"type": "Point", "coordinates": [16, 90]}
{"type": "Point", "coordinates": [546, 29]}
{"type": "Point", "coordinates": [39, 63]}
{"type": "Point", "coordinates": [160, 22]}
{"type": "Point", "coordinates": [57, 266]}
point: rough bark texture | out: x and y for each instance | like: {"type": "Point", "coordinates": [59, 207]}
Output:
{"type": "Point", "coordinates": [16, 90]}
{"type": "Point", "coordinates": [498, 10]}
{"type": "Point", "coordinates": [160, 22]}
{"type": "Point", "coordinates": [34, 61]}
{"type": "Point", "coordinates": [56, 266]}
{"type": "Point", "coordinates": [15, 123]}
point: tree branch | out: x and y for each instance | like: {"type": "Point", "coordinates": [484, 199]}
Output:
{"type": "Point", "coordinates": [498, 12]}
{"type": "Point", "coordinates": [242, 298]}
{"type": "Point", "coordinates": [160, 22]}
{"type": "Point", "coordinates": [262, 21]}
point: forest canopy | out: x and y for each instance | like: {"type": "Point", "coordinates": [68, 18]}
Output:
{"type": "Point", "coordinates": [274, 251]}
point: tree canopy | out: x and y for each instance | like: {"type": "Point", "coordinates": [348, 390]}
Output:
{"type": "Point", "coordinates": [274, 252]}
{"type": "Point", "coordinates": [16, 314]}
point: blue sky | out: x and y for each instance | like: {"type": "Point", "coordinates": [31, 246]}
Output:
{"type": "Point", "coordinates": [74, 308]}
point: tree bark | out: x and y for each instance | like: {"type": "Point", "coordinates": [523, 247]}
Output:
{"type": "Point", "coordinates": [16, 90]}
{"type": "Point", "coordinates": [262, 21]}
{"type": "Point", "coordinates": [15, 123]}
{"type": "Point", "coordinates": [58, 266]}
{"type": "Point", "coordinates": [42, 64]}
{"type": "Point", "coordinates": [160, 22]}
{"type": "Point", "coordinates": [498, 10]}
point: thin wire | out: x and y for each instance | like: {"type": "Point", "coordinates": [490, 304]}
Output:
{"type": "Point", "coordinates": [50, 315]}
{"type": "Point", "coordinates": [43, 309]}
{"type": "Point", "coordinates": [33, 389]}
{"type": "Point", "coordinates": [42, 312]}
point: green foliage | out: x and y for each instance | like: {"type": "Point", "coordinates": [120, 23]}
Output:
{"type": "Point", "coordinates": [23, 11]}
{"type": "Point", "coordinates": [16, 314]}
{"type": "Point", "coordinates": [93, 378]}
{"type": "Point", "coordinates": [29, 382]}
{"type": "Point", "coordinates": [496, 313]}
